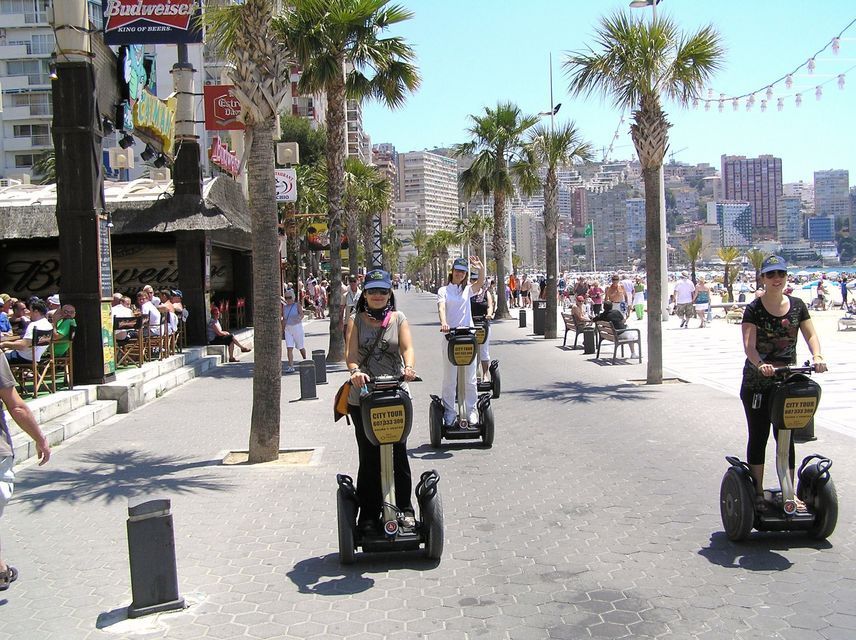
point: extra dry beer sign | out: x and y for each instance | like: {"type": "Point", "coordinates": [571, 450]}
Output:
{"type": "Point", "coordinates": [151, 21]}
{"type": "Point", "coordinates": [221, 108]}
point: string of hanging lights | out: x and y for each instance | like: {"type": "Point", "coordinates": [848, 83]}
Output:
{"type": "Point", "coordinates": [749, 99]}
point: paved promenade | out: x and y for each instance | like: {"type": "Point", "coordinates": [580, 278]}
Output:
{"type": "Point", "coordinates": [595, 514]}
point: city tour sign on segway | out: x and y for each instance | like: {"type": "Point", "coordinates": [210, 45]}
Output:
{"type": "Point", "coordinates": [387, 414]}
{"type": "Point", "coordinates": [792, 405]}
{"type": "Point", "coordinates": [462, 349]}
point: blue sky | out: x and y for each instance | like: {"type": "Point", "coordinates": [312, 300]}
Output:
{"type": "Point", "coordinates": [473, 53]}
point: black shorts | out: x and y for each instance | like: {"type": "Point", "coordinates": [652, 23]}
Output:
{"type": "Point", "coordinates": [222, 340]}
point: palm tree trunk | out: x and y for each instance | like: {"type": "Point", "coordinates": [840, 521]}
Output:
{"type": "Point", "coordinates": [651, 178]}
{"type": "Point", "coordinates": [367, 237]}
{"type": "Point", "coordinates": [500, 244]}
{"type": "Point", "coordinates": [335, 191]}
{"type": "Point", "coordinates": [551, 232]}
{"type": "Point", "coordinates": [267, 371]}
{"type": "Point", "coordinates": [352, 217]}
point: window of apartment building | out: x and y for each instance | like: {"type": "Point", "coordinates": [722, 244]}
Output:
{"type": "Point", "coordinates": [38, 103]}
{"type": "Point", "coordinates": [33, 10]}
{"type": "Point", "coordinates": [24, 161]}
{"type": "Point", "coordinates": [42, 44]}
{"type": "Point", "coordinates": [39, 134]}
{"type": "Point", "coordinates": [37, 71]}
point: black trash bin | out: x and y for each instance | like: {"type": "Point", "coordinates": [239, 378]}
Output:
{"type": "Point", "coordinates": [539, 316]}
{"type": "Point", "coordinates": [589, 340]}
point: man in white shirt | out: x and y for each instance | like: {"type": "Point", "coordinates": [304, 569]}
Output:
{"type": "Point", "coordinates": [148, 308]}
{"type": "Point", "coordinates": [20, 351]}
{"type": "Point", "coordinates": [352, 294]}
{"type": "Point", "coordinates": [684, 291]}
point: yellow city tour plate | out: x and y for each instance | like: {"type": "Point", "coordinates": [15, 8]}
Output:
{"type": "Point", "coordinates": [388, 423]}
{"type": "Point", "coordinates": [481, 334]}
{"type": "Point", "coordinates": [798, 411]}
{"type": "Point", "coordinates": [464, 353]}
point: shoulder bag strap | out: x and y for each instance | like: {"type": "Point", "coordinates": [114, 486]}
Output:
{"type": "Point", "coordinates": [380, 333]}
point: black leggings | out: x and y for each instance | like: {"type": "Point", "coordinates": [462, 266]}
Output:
{"type": "Point", "coordinates": [758, 421]}
{"type": "Point", "coordinates": [369, 490]}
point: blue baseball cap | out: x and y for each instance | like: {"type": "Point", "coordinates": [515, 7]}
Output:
{"type": "Point", "coordinates": [377, 279]}
{"type": "Point", "coordinates": [460, 264]}
{"type": "Point", "coordinates": [773, 263]}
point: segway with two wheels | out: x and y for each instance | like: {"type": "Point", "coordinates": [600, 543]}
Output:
{"type": "Point", "coordinates": [387, 414]}
{"type": "Point", "coordinates": [793, 405]}
{"type": "Point", "coordinates": [462, 350]}
{"type": "Point", "coordinates": [494, 386]}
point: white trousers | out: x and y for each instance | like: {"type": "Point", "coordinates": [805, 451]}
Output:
{"type": "Point", "coordinates": [450, 384]}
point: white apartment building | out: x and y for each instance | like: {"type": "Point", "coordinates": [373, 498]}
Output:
{"type": "Point", "coordinates": [789, 219]}
{"type": "Point", "coordinates": [832, 193]}
{"type": "Point", "coordinates": [734, 220]}
{"type": "Point", "coordinates": [26, 46]}
{"type": "Point", "coordinates": [431, 181]}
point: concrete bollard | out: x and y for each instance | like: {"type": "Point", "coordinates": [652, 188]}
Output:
{"type": "Point", "coordinates": [306, 369]}
{"type": "Point", "coordinates": [151, 554]}
{"type": "Point", "coordinates": [320, 360]}
{"type": "Point", "coordinates": [522, 318]}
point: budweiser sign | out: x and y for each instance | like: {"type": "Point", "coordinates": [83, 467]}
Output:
{"type": "Point", "coordinates": [151, 21]}
{"type": "Point", "coordinates": [223, 158]}
{"type": "Point", "coordinates": [221, 108]}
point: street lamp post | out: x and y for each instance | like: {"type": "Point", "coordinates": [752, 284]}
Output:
{"type": "Point", "coordinates": [664, 256]}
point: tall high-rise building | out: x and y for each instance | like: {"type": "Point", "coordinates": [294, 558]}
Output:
{"type": "Point", "coordinates": [607, 212]}
{"type": "Point", "coordinates": [757, 181]}
{"type": "Point", "coordinates": [431, 181]}
{"type": "Point", "coordinates": [789, 221]}
{"type": "Point", "coordinates": [832, 193]}
{"type": "Point", "coordinates": [635, 226]}
{"type": "Point", "coordinates": [734, 220]}
{"type": "Point", "coordinates": [26, 45]}
{"type": "Point", "coordinates": [385, 160]}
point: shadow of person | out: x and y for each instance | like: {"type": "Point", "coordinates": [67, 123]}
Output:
{"type": "Point", "coordinates": [325, 576]}
{"type": "Point", "coordinates": [427, 452]}
{"type": "Point", "coordinates": [754, 554]}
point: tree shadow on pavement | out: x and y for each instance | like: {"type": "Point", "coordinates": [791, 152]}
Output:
{"type": "Point", "coordinates": [579, 392]}
{"type": "Point", "coordinates": [325, 576]}
{"type": "Point", "coordinates": [116, 475]}
{"type": "Point", "coordinates": [516, 341]}
{"type": "Point", "coordinates": [758, 553]}
{"type": "Point", "coordinates": [230, 370]}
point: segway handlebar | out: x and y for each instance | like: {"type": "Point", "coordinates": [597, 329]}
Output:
{"type": "Point", "coordinates": [807, 368]}
{"type": "Point", "coordinates": [459, 331]}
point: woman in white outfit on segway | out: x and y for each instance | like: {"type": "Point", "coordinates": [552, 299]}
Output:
{"type": "Point", "coordinates": [453, 302]}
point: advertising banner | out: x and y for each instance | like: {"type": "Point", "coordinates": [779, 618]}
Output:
{"type": "Point", "coordinates": [152, 21]}
{"type": "Point", "coordinates": [318, 237]}
{"type": "Point", "coordinates": [221, 108]}
{"type": "Point", "coordinates": [220, 155]}
{"type": "Point", "coordinates": [286, 185]}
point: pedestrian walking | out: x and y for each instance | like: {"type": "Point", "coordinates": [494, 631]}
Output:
{"type": "Point", "coordinates": [684, 292]}
{"type": "Point", "coordinates": [292, 328]}
{"type": "Point", "coordinates": [24, 418]}
{"type": "Point", "coordinates": [701, 300]}
{"type": "Point", "coordinates": [481, 305]}
{"type": "Point", "coordinates": [639, 298]}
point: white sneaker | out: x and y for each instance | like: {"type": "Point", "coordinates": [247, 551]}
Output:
{"type": "Point", "coordinates": [474, 417]}
{"type": "Point", "coordinates": [289, 369]}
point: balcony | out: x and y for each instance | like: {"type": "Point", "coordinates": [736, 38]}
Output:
{"type": "Point", "coordinates": [14, 51]}
{"type": "Point", "coordinates": [29, 143]}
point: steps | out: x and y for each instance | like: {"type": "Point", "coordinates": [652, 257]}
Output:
{"type": "Point", "coordinates": [65, 414]}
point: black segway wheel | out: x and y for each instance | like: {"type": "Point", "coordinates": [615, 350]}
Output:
{"type": "Point", "coordinates": [495, 382]}
{"type": "Point", "coordinates": [487, 427]}
{"type": "Point", "coordinates": [736, 505]}
{"type": "Point", "coordinates": [346, 510]}
{"type": "Point", "coordinates": [435, 425]}
{"type": "Point", "coordinates": [825, 511]}
{"type": "Point", "coordinates": [432, 523]}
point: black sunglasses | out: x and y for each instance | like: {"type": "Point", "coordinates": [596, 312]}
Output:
{"type": "Point", "coordinates": [776, 274]}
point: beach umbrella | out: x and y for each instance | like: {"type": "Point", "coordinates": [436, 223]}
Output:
{"type": "Point", "coordinates": [803, 273]}
{"type": "Point", "coordinates": [831, 274]}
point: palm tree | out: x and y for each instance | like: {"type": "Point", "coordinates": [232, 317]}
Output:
{"type": "Point", "coordinates": [551, 148]}
{"type": "Point", "coordinates": [45, 167]}
{"type": "Point", "coordinates": [693, 248]}
{"type": "Point", "coordinates": [637, 63]}
{"type": "Point", "coordinates": [756, 258]}
{"type": "Point", "coordinates": [357, 175]}
{"type": "Point", "coordinates": [494, 138]}
{"type": "Point", "coordinates": [418, 237]}
{"type": "Point", "coordinates": [391, 245]}
{"type": "Point", "coordinates": [260, 71]}
{"type": "Point", "coordinates": [728, 255]}
{"type": "Point", "coordinates": [376, 199]}
{"type": "Point", "coordinates": [337, 43]}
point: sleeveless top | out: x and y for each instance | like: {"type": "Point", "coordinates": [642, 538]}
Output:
{"type": "Point", "coordinates": [386, 357]}
{"type": "Point", "coordinates": [478, 303]}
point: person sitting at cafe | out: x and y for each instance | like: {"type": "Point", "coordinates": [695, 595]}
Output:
{"type": "Point", "coordinates": [64, 324]}
{"type": "Point", "coordinates": [123, 310]}
{"type": "Point", "coordinates": [176, 298]}
{"type": "Point", "coordinates": [149, 309]}
{"type": "Point", "coordinates": [216, 335]}
{"type": "Point", "coordinates": [616, 317]}
{"type": "Point", "coordinates": [20, 350]}
{"type": "Point", "coordinates": [5, 310]}
{"type": "Point", "coordinates": [53, 305]}
{"type": "Point", "coordinates": [20, 317]}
